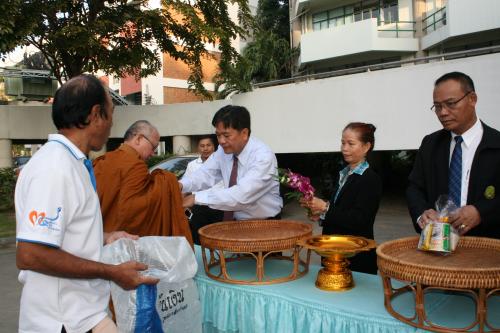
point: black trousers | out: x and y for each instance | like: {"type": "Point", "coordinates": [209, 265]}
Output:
{"type": "Point", "coordinates": [204, 215]}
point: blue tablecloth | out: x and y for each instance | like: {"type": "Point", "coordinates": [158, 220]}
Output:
{"type": "Point", "coordinates": [298, 306]}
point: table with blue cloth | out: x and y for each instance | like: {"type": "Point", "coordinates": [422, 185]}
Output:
{"type": "Point", "coordinates": [298, 306]}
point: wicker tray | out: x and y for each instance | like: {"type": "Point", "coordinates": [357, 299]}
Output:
{"type": "Point", "coordinates": [473, 268]}
{"type": "Point", "coordinates": [257, 240]}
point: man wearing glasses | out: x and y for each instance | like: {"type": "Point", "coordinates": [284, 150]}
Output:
{"type": "Point", "coordinates": [461, 160]}
{"type": "Point", "coordinates": [131, 198]}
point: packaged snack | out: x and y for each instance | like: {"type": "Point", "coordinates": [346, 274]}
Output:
{"type": "Point", "coordinates": [440, 236]}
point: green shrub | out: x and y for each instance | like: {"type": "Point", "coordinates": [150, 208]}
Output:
{"type": "Point", "coordinates": [7, 186]}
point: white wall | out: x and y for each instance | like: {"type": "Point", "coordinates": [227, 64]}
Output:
{"type": "Point", "coordinates": [308, 116]}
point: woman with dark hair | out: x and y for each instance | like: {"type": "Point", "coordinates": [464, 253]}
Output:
{"type": "Point", "coordinates": [356, 197]}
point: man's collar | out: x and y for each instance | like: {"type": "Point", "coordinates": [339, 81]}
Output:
{"type": "Point", "coordinates": [469, 135]}
{"type": "Point", "coordinates": [77, 153]}
{"type": "Point", "coordinates": [245, 153]}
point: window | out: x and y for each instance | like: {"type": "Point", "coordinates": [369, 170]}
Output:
{"type": "Point", "coordinates": [385, 11]}
{"type": "Point", "coordinates": [320, 21]}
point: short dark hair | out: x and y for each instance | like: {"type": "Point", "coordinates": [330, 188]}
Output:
{"type": "Point", "coordinates": [207, 136]}
{"type": "Point", "coordinates": [366, 132]}
{"type": "Point", "coordinates": [139, 127]}
{"type": "Point", "coordinates": [233, 116]}
{"type": "Point", "coordinates": [464, 80]}
{"type": "Point", "coordinates": [74, 100]}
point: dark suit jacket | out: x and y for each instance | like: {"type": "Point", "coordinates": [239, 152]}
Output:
{"type": "Point", "coordinates": [354, 214]}
{"type": "Point", "coordinates": [429, 179]}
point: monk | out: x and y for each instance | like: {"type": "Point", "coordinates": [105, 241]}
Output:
{"type": "Point", "coordinates": [131, 198]}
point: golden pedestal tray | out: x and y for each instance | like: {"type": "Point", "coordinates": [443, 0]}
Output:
{"type": "Point", "coordinates": [473, 269]}
{"type": "Point", "coordinates": [335, 249]}
{"type": "Point", "coordinates": [259, 240]}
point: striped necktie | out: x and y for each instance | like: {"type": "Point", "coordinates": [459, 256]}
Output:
{"type": "Point", "coordinates": [229, 215]}
{"type": "Point", "coordinates": [455, 173]}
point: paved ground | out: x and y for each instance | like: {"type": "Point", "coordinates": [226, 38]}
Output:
{"type": "Point", "coordinates": [392, 222]}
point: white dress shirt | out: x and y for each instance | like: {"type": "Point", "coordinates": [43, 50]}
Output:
{"type": "Point", "coordinates": [195, 165]}
{"type": "Point", "coordinates": [471, 139]}
{"type": "Point", "coordinates": [256, 193]}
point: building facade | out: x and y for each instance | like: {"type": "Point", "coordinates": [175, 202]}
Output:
{"type": "Point", "coordinates": [340, 34]}
{"type": "Point", "coordinates": [170, 85]}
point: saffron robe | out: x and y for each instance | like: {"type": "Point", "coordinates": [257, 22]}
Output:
{"type": "Point", "coordinates": [135, 201]}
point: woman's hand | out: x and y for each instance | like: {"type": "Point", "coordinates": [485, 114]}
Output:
{"type": "Point", "coordinates": [316, 205]}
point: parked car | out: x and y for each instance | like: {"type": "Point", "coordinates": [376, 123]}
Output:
{"type": "Point", "coordinates": [175, 164]}
{"type": "Point", "coordinates": [19, 163]}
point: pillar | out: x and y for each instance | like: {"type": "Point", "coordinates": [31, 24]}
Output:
{"type": "Point", "coordinates": [5, 153]}
{"type": "Point", "coordinates": [181, 144]}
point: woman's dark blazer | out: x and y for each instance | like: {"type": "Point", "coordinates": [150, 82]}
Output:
{"type": "Point", "coordinates": [354, 214]}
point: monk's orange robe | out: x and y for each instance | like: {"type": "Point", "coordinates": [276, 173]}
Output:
{"type": "Point", "coordinates": [135, 201]}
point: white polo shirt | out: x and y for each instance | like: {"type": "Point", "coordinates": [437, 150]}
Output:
{"type": "Point", "coordinates": [57, 206]}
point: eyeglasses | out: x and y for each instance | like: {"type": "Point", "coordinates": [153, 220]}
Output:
{"type": "Point", "coordinates": [152, 145]}
{"type": "Point", "coordinates": [450, 105]}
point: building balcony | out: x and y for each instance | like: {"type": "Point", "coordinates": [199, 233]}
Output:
{"type": "Point", "coordinates": [356, 38]}
{"type": "Point", "coordinates": [458, 18]}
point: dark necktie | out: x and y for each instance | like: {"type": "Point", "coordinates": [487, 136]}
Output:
{"type": "Point", "coordinates": [90, 169]}
{"type": "Point", "coordinates": [455, 174]}
{"type": "Point", "coordinates": [229, 215]}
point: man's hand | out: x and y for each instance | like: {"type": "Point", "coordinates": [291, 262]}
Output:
{"type": "Point", "coordinates": [110, 237]}
{"type": "Point", "coordinates": [465, 218]}
{"type": "Point", "coordinates": [127, 275]}
{"type": "Point", "coordinates": [428, 216]}
{"type": "Point", "coordinates": [188, 201]}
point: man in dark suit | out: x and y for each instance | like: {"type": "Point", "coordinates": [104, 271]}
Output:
{"type": "Point", "coordinates": [461, 160]}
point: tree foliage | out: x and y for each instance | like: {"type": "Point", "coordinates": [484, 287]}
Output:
{"type": "Point", "coordinates": [7, 186]}
{"type": "Point", "coordinates": [267, 56]}
{"type": "Point", "coordinates": [122, 37]}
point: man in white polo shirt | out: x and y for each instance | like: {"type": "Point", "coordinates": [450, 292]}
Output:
{"type": "Point", "coordinates": [59, 223]}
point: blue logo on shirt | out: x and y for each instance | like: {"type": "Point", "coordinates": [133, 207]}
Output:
{"type": "Point", "coordinates": [40, 219]}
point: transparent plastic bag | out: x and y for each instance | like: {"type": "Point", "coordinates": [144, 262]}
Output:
{"type": "Point", "coordinates": [440, 236]}
{"type": "Point", "coordinates": [173, 304]}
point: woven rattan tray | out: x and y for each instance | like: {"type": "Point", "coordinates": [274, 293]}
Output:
{"type": "Point", "coordinates": [257, 240]}
{"type": "Point", "coordinates": [473, 268]}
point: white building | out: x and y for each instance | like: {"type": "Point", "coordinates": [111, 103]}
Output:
{"type": "Point", "coordinates": [338, 34]}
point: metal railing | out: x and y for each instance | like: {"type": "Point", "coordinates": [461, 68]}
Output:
{"type": "Point", "coordinates": [397, 29]}
{"type": "Point", "coordinates": [426, 25]}
{"type": "Point", "coordinates": [25, 73]}
{"type": "Point", "coordinates": [117, 99]}
{"type": "Point", "coordinates": [385, 65]}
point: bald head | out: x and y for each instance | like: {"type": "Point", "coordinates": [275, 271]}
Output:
{"type": "Point", "coordinates": [139, 127]}
{"type": "Point", "coordinates": [143, 137]}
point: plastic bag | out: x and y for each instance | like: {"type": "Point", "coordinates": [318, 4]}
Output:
{"type": "Point", "coordinates": [440, 236]}
{"type": "Point", "coordinates": [173, 304]}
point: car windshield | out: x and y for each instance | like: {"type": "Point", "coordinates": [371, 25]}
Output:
{"type": "Point", "coordinates": [176, 165]}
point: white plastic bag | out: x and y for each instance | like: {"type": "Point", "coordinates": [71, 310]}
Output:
{"type": "Point", "coordinates": [170, 306]}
